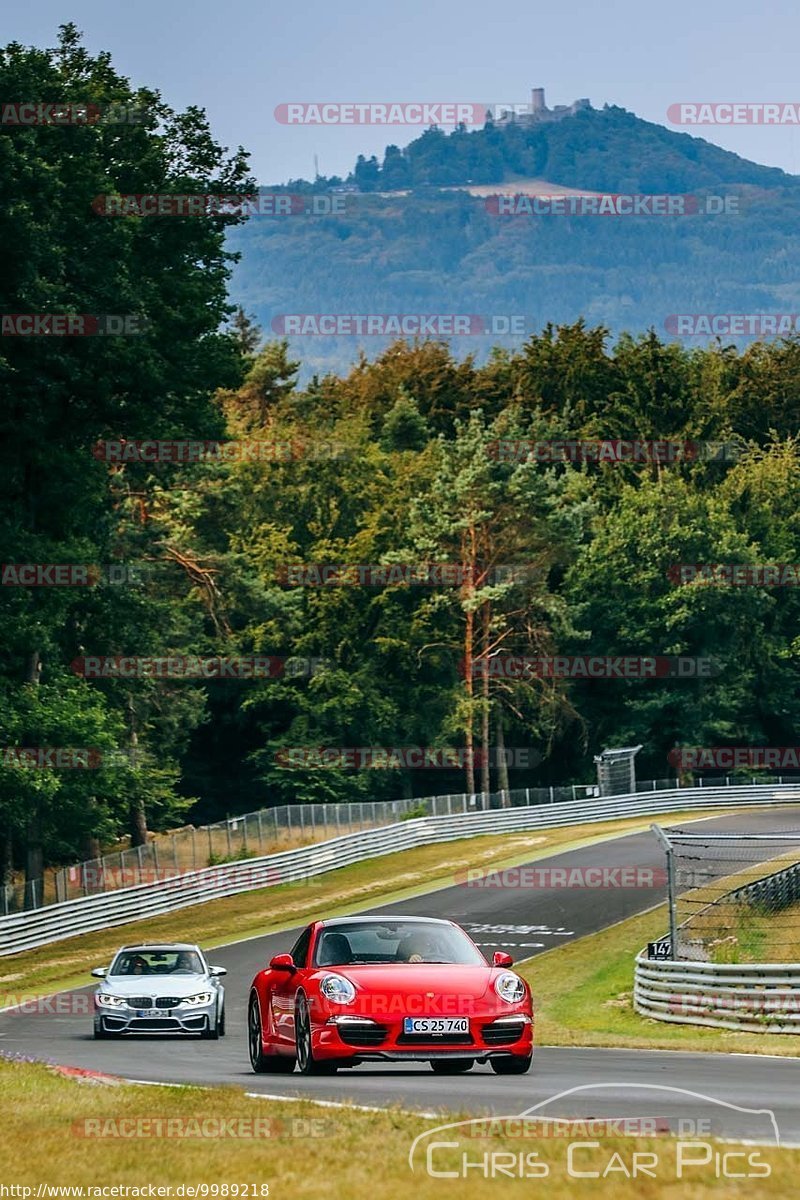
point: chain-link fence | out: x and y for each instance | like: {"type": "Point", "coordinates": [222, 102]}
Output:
{"type": "Point", "coordinates": [267, 831]}
{"type": "Point", "coordinates": [271, 830]}
{"type": "Point", "coordinates": [734, 897]}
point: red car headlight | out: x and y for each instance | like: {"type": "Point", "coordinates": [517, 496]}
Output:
{"type": "Point", "coordinates": [509, 987]}
{"type": "Point", "coordinates": [337, 989]}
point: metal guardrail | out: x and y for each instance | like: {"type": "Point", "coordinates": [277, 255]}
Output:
{"type": "Point", "coordinates": [39, 927]}
{"type": "Point", "coordinates": [773, 892]}
{"type": "Point", "coordinates": [281, 827]}
{"type": "Point", "coordinates": [754, 997]}
{"type": "Point", "coordinates": [247, 835]}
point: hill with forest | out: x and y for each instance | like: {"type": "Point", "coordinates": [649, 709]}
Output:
{"type": "Point", "coordinates": [412, 239]}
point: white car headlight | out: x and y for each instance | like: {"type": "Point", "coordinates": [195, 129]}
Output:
{"type": "Point", "coordinates": [337, 989]}
{"type": "Point", "coordinates": [509, 987]}
{"type": "Point", "coordinates": [200, 998]}
{"type": "Point", "coordinates": [109, 1001]}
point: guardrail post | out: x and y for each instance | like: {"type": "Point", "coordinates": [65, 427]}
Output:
{"type": "Point", "coordinates": [673, 918]}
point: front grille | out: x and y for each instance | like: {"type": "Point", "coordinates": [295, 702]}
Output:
{"type": "Point", "coordinates": [157, 1023]}
{"type": "Point", "coordinates": [503, 1034]}
{"type": "Point", "coordinates": [140, 1002]}
{"type": "Point", "coordinates": [167, 1002]}
{"type": "Point", "coordinates": [362, 1035]}
{"type": "Point", "coordinates": [434, 1039]}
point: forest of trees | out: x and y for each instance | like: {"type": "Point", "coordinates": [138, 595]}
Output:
{"type": "Point", "coordinates": [392, 462]}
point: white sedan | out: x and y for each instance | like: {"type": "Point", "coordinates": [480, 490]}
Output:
{"type": "Point", "coordinates": [159, 989]}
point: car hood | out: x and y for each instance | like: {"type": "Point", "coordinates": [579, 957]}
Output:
{"type": "Point", "coordinates": [156, 985]}
{"type": "Point", "coordinates": [404, 979]}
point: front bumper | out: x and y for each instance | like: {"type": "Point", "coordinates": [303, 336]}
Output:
{"type": "Point", "coordinates": [360, 1040]}
{"type": "Point", "coordinates": [195, 1018]}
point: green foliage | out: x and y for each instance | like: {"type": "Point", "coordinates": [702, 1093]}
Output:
{"type": "Point", "coordinates": [389, 465]}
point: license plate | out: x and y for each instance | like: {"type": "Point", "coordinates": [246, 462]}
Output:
{"type": "Point", "coordinates": [152, 1012]}
{"type": "Point", "coordinates": [435, 1025]}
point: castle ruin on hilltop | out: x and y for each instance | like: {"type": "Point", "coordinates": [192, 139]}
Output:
{"type": "Point", "coordinates": [538, 112]}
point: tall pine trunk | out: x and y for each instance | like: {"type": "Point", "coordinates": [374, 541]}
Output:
{"type": "Point", "coordinates": [34, 851]}
{"type": "Point", "coordinates": [502, 765]}
{"type": "Point", "coordinates": [486, 782]}
{"type": "Point", "coordinates": [137, 814]}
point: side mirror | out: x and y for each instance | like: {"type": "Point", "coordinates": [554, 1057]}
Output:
{"type": "Point", "coordinates": [501, 959]}
{"type": "Point", "coordinates": [282, 962]}
{"type": "Point", "coordinates": [100, 972]}
{"type": "Point", "coordinates": [216, 972]}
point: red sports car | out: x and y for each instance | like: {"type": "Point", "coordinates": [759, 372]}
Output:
{"type": "Point", "coordinates": [394, 989]}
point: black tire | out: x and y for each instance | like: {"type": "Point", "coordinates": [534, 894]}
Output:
{"type": "Point", "coordinates": [511, 1066]}
{"type": "Point", "coordinates": [451, 1066]}
{"type": "Point", "coordinates": [279, 1064]}
{"type": "Point", "coordinates": [100, 1034]}
{"type": "Point", "coordinates": [222, 1022]}
{"type": "Point", "coordinates": [211, 1034]}
{"type": "Point", "coordinates": [306, 1062]}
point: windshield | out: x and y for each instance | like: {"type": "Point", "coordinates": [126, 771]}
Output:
{"type": "Point", "coordinates": [394, 942]}
{"type": "Point", "coordinates": [157, 962]}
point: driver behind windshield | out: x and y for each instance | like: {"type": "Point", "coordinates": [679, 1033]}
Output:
{"type": "Point", "coordinates": [418, 947]}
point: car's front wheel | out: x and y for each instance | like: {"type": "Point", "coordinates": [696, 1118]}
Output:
{"type": "Point", "coordinates": [451, 1066]}
{"type": "Point", "coordinates": [212, 1032]}
{"type": "Point", "coordinates": [305, 1051]}
{"type": "Point", "coordinates": [259, 1061]}
{"type": "Point", "coordinates": [511, 1066]}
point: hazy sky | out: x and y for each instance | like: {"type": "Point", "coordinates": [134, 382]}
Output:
{"type": "Point", "coordinates": [239, 61]}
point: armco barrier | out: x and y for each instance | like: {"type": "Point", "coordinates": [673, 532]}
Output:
{"type": "Point", "coordinates": [754, 997]}
{"type": "Point", "coordinates": [26, 930]}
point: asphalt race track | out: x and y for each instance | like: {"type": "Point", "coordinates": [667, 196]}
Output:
{"type": "Point", "coordinates": [525, 921]}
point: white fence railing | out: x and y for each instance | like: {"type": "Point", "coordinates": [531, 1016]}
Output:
{"type": "Point", "coordinates": [39, 927]}
{"type": "Point", "coordinates": [755, 997]}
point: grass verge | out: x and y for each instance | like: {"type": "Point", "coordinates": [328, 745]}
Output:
{"type": "Point", "coordinates": [584, 997]}
{"type": "Point", "coordinates": [109, 1136]}
{"type": "Point", "coordinates": [390, 878]}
